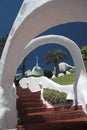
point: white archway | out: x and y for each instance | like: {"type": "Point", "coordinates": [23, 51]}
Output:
{"type": "Point", "coordinates": [74, 50]}
{"type": "Point", "coordinates": [61, 40]}
{"type": "Point", "coordinates": [34, 17]}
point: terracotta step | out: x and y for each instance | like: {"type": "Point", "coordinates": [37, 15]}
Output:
{"type": "Point", "coordinates": [35, 109]}
{"type": "Point", "coordinates": [65, 108]}
{"type": "Point", "coordinates": [58, 110]}
{"type": "Point", "coordinates": [45, 116]}
{"type": "Point", "coordinates": [34, 115]}
{"type": "Point", "coordinates": [54, 110]}
{"type": "Point", "coordinates": [28, 100]}
{"type": "Point", "coordinates": [32, 104]}
{"type": "Point", "coordinates": [74, 124]}
{"type": "Point", "coordinates": [29, 93]}
{"type": "Point", "coordinates": [30, 97]}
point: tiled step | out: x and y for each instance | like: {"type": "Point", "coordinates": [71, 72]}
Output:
{"type": "Point", "coordinates": [29, 96]}
{"type": "Point", "coordinates": [45, 116]}
{"type": "Point", "coordinates": [27, 92]}
{"type": "Point", "coordinates": [34, 115]}
{"type": "Point", "coordinates": [74, 124]}
{"type": "Point", "coordinates": [35, 109]}
{"type": "Point", "coordinates": [65, 108]}
{"type": "Point", "coordinates": [26, 99]}
{"type": "Point", "coordinates": [32, 104]}
{"type": "Point", "coordinates": [25, 107]}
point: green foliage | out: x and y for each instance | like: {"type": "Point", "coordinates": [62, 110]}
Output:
{"type": "Point", "coordinates": [53, 57]}
{"type": "Point", "coordinates": [22, 67]}
{"type": "Point", "coordinates": [54, 97]}
{"type": "Point", "coordinates": [16, 81]}
{"type": "Point", "coordinates": [66, 79]}
{"type": "Point", "coordinates": [84, 55]}
{"type": "Point", "coordinates": [48, 73]}
{"type": "Point", "coordinates": [2, 43]}
{"type": "Point", "coordinates": [84, 52]}
{"type": "Point", "coordinates": [36, 75]}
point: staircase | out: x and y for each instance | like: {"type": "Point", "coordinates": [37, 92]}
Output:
{"type": "Point", "coordinates": [34, 115]}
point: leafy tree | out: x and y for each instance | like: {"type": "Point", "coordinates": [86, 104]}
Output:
{"type": "Point", "coordinates": [48, 73]}
{"type": "Point", "coordinates": [22, 67]}
{"type": "Point", "coordinates": [54, 56]}
{"type": "Point", "coordinates": [84, 55]}
{"type": "Point", "coordinates": [2, 43]}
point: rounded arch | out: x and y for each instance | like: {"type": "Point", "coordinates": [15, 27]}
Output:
{"type": "Point", "coordinates": [61, 40]}
{"type": "Point", "coordinates": [33, 18]}
{"type": "Point", "coordinates": [31, 21]}
{"type": "Point", "coordinates": [75, 53]}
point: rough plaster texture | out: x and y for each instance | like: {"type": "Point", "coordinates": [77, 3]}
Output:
{"type": "Point", "coordinates": [74, 50]}
{"type": "Point", "coordinates": [38, 83]}
{"type": "Point", "coordinates": [36, 15]}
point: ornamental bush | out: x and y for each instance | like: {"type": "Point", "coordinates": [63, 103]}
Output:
{"type": "Point", "coordinates": [48, 73]}
{"type": "Point", "coordinates": [54, 97]}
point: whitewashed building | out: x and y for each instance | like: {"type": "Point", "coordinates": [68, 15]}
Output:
{"type": "Point", "coordinates": [37, 70]}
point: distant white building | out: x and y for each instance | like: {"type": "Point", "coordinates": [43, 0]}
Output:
{"type": "Point", "coordinates": [64, 68]}
{"type": "Point", "coordinates": [37, 70]}
{"type": "Point", "coordinates": [28, 73]}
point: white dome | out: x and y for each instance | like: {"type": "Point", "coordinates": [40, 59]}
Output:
{"type": "Point", "coordinates": [37, 70]}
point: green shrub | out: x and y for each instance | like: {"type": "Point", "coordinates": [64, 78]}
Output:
{"type": "Point", "coordinates": [54, 97]}
{"type": "Point", "coordinates": [48, 73]}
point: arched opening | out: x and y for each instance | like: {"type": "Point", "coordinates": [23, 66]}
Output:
{"type": "Point", "coordinates": [41, 52]}
{"type": "Point", "coordinates": [26, 21]}
{"type": "Point", "coordinates": [37, 19]}
{"type": "Point", "coordinates": [67, 43]}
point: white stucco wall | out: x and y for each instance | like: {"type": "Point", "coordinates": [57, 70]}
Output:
{"type": "Point", "coordinates": [34, 17]}
{"type": "Point", "coordinates": [81, 75]}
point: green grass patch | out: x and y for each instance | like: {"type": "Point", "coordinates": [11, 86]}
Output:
{"type": "Point", "coordinates": [66, 79]}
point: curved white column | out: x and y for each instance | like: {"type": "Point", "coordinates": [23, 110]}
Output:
{"type": "Point", "coordinates": [81, 75]}
{"type": "Point", "coordinates": [33, 18]}
{"type": "Point", "coordinates": [61, 40]}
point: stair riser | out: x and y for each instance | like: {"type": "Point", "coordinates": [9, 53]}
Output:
{"type": "Point", "coordinates": [30, 105]}
{"type": "Point", "coordinates": [67, 108]}
{"type": "Point", "coordinates": [29, 100]}
{"type": "Point", "coordinates": [53, 117]}
{"type": "Point", "coordinates": [30, 97]}
{"type": "Point", "coordinates": [53, 126]}
{"type": "Point", "coordinates": [32, 110]}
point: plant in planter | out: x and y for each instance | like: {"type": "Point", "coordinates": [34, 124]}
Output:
{"type": "Point", "coordinates": [54, 97]}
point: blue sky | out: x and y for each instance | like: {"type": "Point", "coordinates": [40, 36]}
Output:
{"type": "Point", "coordinates": [8, 12]}
{"type": "Point", "coordinates": [75, 31]}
